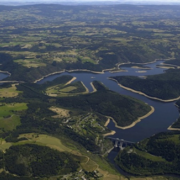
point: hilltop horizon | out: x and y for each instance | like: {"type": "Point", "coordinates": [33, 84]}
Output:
{"type": "Point", "coordinates": [90, 2]}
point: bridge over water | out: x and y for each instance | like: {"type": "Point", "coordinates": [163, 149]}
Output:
{"type": "Point", "coordinates": [121, 143]}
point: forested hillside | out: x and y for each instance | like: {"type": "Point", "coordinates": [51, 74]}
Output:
{"type": "Point", "coordinates": [159, 154]}
{"type": "Point", "coordinates": [164, 86]}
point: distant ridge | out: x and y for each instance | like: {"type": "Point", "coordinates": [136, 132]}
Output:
{"type": "Point", "coordinates": [88, 2]}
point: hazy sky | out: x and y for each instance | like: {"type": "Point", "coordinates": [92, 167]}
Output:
{"type": "Point", "coordinates": [91, 0]}
{"type": "Point", "coordinates": [76, 1]}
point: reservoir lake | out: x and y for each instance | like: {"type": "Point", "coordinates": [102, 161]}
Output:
{"type": "Point", "coordinates": [164, 115]}
{"type": "Point", "coordinates": [3, 76]}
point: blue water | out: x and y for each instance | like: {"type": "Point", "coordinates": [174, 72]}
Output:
{"type": "Point", "coordinates": [3, 76]}
{"type": "Point", "coordinates": [165, 113]}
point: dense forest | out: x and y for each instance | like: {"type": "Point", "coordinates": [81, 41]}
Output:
{"type": "Point", "coordinates": [176, 124]}
{"type": "Point", "coordinates": [123, 109]}
{"type": "Point", "coordinates": [164, 86]}
{"type": "Point", "coordinates": [38, 161]}
{"type": "Point", "coordinates": [159, 154]}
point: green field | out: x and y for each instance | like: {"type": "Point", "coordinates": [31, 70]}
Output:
{"type": "Point", "coordinates": [46, 140]}
{"type": "Point", "coordinates": [147, 155]}
{"type": "Point", "coordinates": [86, 161]}
{"type": "Point", "coordinates": [30, 63]}
{"type": "Point", "coordinates": [9, 92]}
{"type": "Point", "coordinates": [61, 90]}
{"type": "Point", "coordinates": [9, 119]}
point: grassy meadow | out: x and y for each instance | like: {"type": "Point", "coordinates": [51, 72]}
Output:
{"type": "Point", "coordinates": [9, 118]}
{"type": "Point", "coordinates": [72, 89]}
{"type": "Point", "coordinates": [9, 92]}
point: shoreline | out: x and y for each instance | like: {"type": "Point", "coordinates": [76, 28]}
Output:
{"type": "Point", "coordinates": [95, 72]}
{"type": "Point", "coordinates": [141, 93]}
{"type": "Point", "coordinates": [94, 89]}
{"type": "Point", "coordinates": [57, 72]}
{"type": "Point", "coordinates": [173, 129]}
{"type": "Point", "coordinates": [107, 122]}
{"type": "Point", "coordinates": [172, 65]}
{"type": "Point", "coordinates": [157, 60]}
{"type": "Point", "coordinates": [170, 127]}
{"type": "Point", "coordinates": [165, 67]}
{"type": "Point", "coordinates": [11, 81]}
{"type": "Point", "coordinates": [146, 62]}
{"type": "Point", "coordinates": [109, 134]}
{"type": "Point", "coordinates": [115, 71]}
{"type": "Point", "coordinates": [87, 90]}
{"type": "Point", "coordinates": [69, 82]}
{"type": "Point", "coordinates": [176, 105]}
{"type": "Point", "coordinates": [5, 72]}
{"type": "Point", "coordinates": [86, 70]}
{"type": "Point", "coordinates": [132, 124]}
{"type": "Point", "coordinates": [69, 71]}
{"type": "Point", "coordinates": [141, 68]}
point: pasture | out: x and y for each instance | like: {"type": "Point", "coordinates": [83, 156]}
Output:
{"type": "Point", "coordinates": [71, 89]}
{"type": "Point", "coordinates": [9, 117]}
{"type": "Point", "coordinates": [9, 92]}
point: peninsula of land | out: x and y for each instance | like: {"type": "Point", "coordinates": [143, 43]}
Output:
{"type": "Point", "coordinates": [163, 87]}
{"type": "Point", "coordinates": [132, 124]}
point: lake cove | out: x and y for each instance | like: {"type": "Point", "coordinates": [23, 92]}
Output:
{"type": "Point", "coordinates": [3, 75]}
{"type": "Point", "coordinates": [164, 113]}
